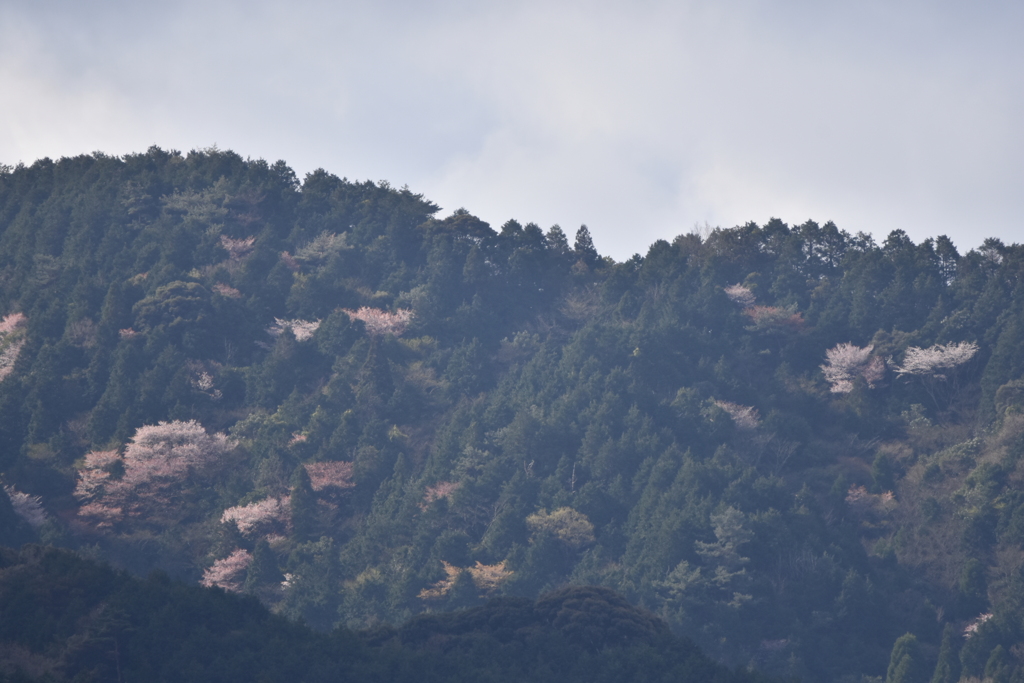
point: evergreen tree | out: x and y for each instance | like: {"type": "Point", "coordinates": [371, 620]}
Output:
{"type": "Point", "coordinates": [905, 662]}
{"type": "Point", "coordinates": [584, 247]}
{"type": "Point", "coordinates": [947, 670]}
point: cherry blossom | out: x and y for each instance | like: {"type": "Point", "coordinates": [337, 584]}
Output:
{"type": "Point", "coordinates": [237, 249]}
{"type": "Point", "coordinates": [254, 516]}
{"type": "Point", "coordinates": [936, 359]}
{"type": "Point", "coordinates": [442, 489]}
{"type": "Point", "coordinates": [774, 318]}
{"type": "Point", "coordinates": [740, 295]}
{"type": "Point", "coordinates": [379, 322]}
{"type": "Point", "coordinates": [302, 329]}
{"type": "Point", "coordinates": [12, 322]}
{"type": "Point", "coordinates": [227, 291]}
{"type": "Point", "coordinates": [228, 573]}
{"type": "Point", "coordinates": [324, 475]}
{"type": "Point", "coordinates": [168, 450]}
{"type": "Point", "coordinates": [12, 339]}
{"type": "Point", "coordinates": [27, 506]}
{"type": "Point", "coordinates": [845, 362]}
{"type": "Point", "coordinates": [744, 417]}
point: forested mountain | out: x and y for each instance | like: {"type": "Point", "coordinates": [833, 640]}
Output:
{"type": "Point", "coordinates": [798, 447]}
{"type": "Point", "coordinates": [68, 619]}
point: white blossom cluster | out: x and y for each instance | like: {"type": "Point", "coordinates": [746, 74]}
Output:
{"type": "Point", "coordinates": [12, 338]}
{"type": "Point", "coordinates": [845, 363]}
{"type": "Point", "coordinates": [229, 572]}
{"type": "Point", "coordinates": [27, 506]}
{"type": "Point", "coordinates": [936, 360]}
{"type": "Point", "coordinates": [237, 248]}
{"type": "Point", "coordinates": [744, 417]}
{"type": "Point", "coordinates": [157, 458]}
{"type": "Point", "coordinates": [302, 329]}
{"type": "Point", "coordinates": [257, 516]}
{"type": "Point", "coordinates": [379, 322]}
{"type": "Point", "coordinates": [324, 475]}
{"type": "Point", "coordinates": [741, 295]}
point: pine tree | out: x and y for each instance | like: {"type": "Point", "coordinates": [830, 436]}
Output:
{"type": "Point", "coordinates": [303, 504]}
{"type": "Point", "coordinates": [905, 661]}
{"type": "Point", "coordinates": [947, 670]}
{"type": "Point", "coordinates": [584, 247]}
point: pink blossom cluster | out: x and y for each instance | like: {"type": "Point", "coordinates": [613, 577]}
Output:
{"type": "Point", "coordinates": [379, 322]}
{"type": "Point", "coordinates": [972, 627]}
{"type": "Point", "coordinates": [442, 489]}
{"type": "Point", "coordinates": [845, 363]}
{"type": "Point", "coordinates": [102, 514]}
{"type": "Point", "coordinates": [167, 451]}
{"type": "Point", "coordinates": [158, 457]}
{"type": "Point", "coordinates": [773, 317]}
{"type": "Point", "coordinates": [865, 504]}
{"type": "Point", "coordinates": [27, 506]}
{"type": "Point", "coordinates": [741, 295]}
{"type": "Point", "coordinates": [744, 417]}
{"type": "Point", "coordinates": [12, 322]}
{"type": "Point", "coordinates": [259, 516]}
{"type": "Point", "coordinates": [95, 473]}
{"type": "Point", "coordinates": [227, 291]}
{"type": "Point", "coordinates": [937, 359]}
{"type": "Point", "coordinates": [302, 329]}
{"type": "Point", "coordinates": [202, 380]}
{"type": "Point", "coordinates": [291, 262]}
{"type": "Point", "coordinates": [11, 341]}
{"type": "Point", "coordinates": [228, 573]}
{"type": "Point", "coordinates": [237, 248]}
{"type": "Point", "coordinates": [324, 475]}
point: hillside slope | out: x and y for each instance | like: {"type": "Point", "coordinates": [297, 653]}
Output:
{"type": "Point", "coordinates": [793, 444]}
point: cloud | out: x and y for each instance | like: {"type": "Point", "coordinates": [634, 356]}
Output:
{"type": "Point", "coordinates": [638, 120]}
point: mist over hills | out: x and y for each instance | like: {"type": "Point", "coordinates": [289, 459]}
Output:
{"type": "Point", "coordinates": [796, 446]}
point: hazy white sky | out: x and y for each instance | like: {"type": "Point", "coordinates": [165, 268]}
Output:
{"type": "Point", "coordinates": [640, 119]}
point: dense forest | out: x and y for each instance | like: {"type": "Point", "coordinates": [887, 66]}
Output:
{"type": "Point", "coordinates": [67, 618]}
{"type": "Point", "coordinates": [795, 446]}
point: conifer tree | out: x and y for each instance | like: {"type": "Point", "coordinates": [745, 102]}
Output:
{"type": "Point", "coordinates": [303, 504]}
{"type": "Point", "coordinates": [947, 670]}
{"type": "Point", "coordinates": [584, 246]}
{"type": "Point", "coordinates": [905, 661]}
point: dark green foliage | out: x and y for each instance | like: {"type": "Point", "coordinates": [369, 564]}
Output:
{"type": "Point", "coordinates": [76, 620]}
{"type": "Point", "coordinates": [404, 391]}
{"type": "Point", "coordinates": [947, 669]}
{"type": "Point", "coordinates": [905, 663]}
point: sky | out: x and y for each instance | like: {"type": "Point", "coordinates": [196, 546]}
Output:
{"type": "Point", "coordinates": [643, 120]}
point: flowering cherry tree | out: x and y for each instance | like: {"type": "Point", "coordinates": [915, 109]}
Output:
{"type": "Point", "coordinates": [229, 572]}
{"type": "Point", "coordinates": [227, 291]}
{"type": "Point", "coordinates": [379, 322]}
{"type": "Point", "coordinates": [12, 338]}
{"type": "Point", "coordinates": [261, 516]}
{"type": "Point", "coordinates": [442, 489]}
{"type": "Point", "coordinates": [158, 458]}
{"type": "Point", "coordinates": [936, 360]}
{"type": "Point", "coordinates": [325, 475]}
{"type": "Point", "coordinates": [744, 417]}
{"type": "Point", "coordinates": [27, 506]}
{"type": "Point", "coordinates": [302, 329]}
{"type": "Point", "coordinates": [773, 318]}
{"type": "Point", "coordinates": [167, 451]}
{"type": "Point", "coordinates": [740, 295]}
{"type": "Point", "coordinates": [845, 363]}
{"type": "Point", "coordinates": [237, 249]}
